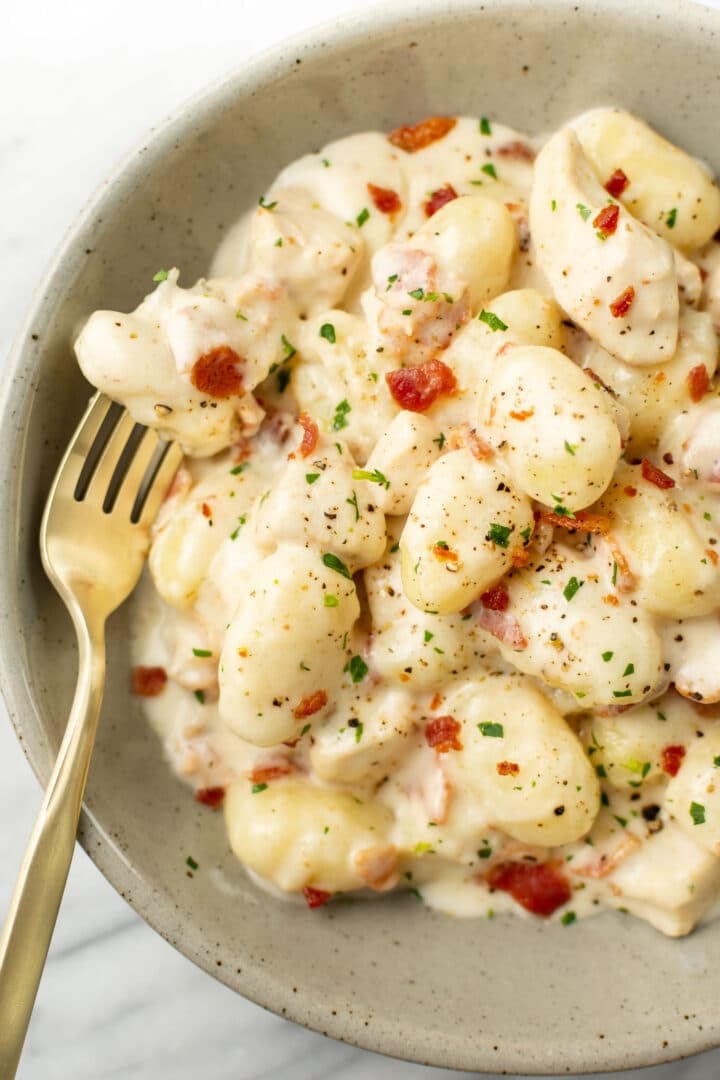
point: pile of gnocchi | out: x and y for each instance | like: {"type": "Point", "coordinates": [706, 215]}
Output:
{"type": "Point", "coordinates": [433, 603]}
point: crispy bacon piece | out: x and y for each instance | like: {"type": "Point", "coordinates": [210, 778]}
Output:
{"type": "Point", "coordinates": [442, 734]}
{"type": "Point", "coordinates": [517, 150]}
{"type": "Point", "coordinates": [503, 626]}
{"type": "Point", "coordinates": [656, 476]}
{"type": "Point", "coordinates": [630, 491]}
{"type": "Point", "coordinates": [422, 134]}
{"type": "Point", "coordinates": [698, 382]}
{"type": "Point", "coordinates": [671, 759]}
{"type": "Point", "coordinates": [417, 388]}
{"type": "Point", "coordinates": [218, 373]}
{"type": "Point", "coordinates": [583, 521]}
{"type": "Point", "coordinates": [622, 303]}
{"type": "Point", "coordinates": [148, 681]}
{"type": "Point", "coordinates": [606, 221]}
{"type": "Point", "coordinates": [440, 198]}
{"type": "Point", "coordinates": [497, 598]}
{"type": "Point", "coordinates": [385, 199]}
{"type": "Point", "coordinates": [213, 797]}
{"type": "Point", "coordinates": [310, 704]}
{"type": "Point", "coordinates": [262, 774]}
{"type": "Point", "coordinates": [377, 866]}
{"type": "Point", "coordinates": [540, 888]}
{"type": "Point", "coordinates": [520, 557]}
{"type": "Point", "coordinates": [315, 898]}
{"type": "Point", "coordinates": [310, 435]}
{"type": "Point", "coordinates": [507, 768]}
{"type": "Point", "coordinates": [617, 184]}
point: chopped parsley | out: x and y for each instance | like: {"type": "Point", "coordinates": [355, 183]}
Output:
{"type": "Point", "coordinates": [357, 668]}
{"type": "Point", "coordinates": [620, 820]}
{"type": "Point", "coordinates": [257, 788]}
{"type": "Point", "coordinates": [570, 448]}
{"type": "Point", "coordinates": [395, 547]}
{"type": "Point", "coordinates": [278, 242]}
{"type": "Point", "coordinates": [417, 294]}
{"type": "Point", "coordinates": [311, 477]}
{"type": "Point", "coordinates": [330, 601]}
{"type": "Point", "coordinates": [560, 510]}
{"type": "Point", "coordinates": [568, 918]}
{"type": "Point", "coordinates": [499, 534]}
{"type": "Point", "coordinates": [428, 636]}
{"type": "Point", "coordinates": [236, 469]}
{"type": "Point", "coordinates": [440, 440]}
{"type": "Point", "coordinates": [583, 211]}
{"type": "Point", "coordinates": [354, 503]}
{"type": "Point", "coordinates": [333, 563]}
{"type": "Point", "coordinates": [485, 128]}
{"type": "Point", "coordinates": [327, 331]}
{"type": "Point", "coordinates": [340, 418]}
{"type": "Point", "coordinates": [716, 762]}
{"type": "Point", "coordinates": [305, 730]}
{"type": "Point", "coordinates": [266, 206]}
{"type": "Point", "coordinates": [553, 204]}
{"type": "Point", "coordinates": [629, 670]}
{"type": "Point", "coordinates": [489, 169]}
{"type": "Point", "coordinates": [423, 848]}
{"type": "Point", "coordinates": [614, 573]}
{"type": "Point", "coordinates": [491, 729]}
{"type": "Point", "coordinates": [492, 320]}
{"type": "Point", "coordinates": [607, 656]}
{"type": "Point", "coordinates": [358, 732]}
{"type": "Point", "coordinates": [671, 218]}
{"type": "Point", "coordinates": [200, 696]}
{"type": "Point", "coordinates": [622, 693]}
{"type": "Point", "coordinates": [241, 521]}
{"type": "Point", "coordinates": [375, 477]}
{"type": "Point", "coordinates": [290, 349]}
{"type": "Point", "coordinates": [391, 281]}
{"type": "Point", "coordinates": [485, 852]}
{"type": "Point", "coordinates": [239, 315]}
{"type": "Point", "coordinates": [697, 813]}
{"type": "Point", "coordinates": [160, 275]}
{"type": "Point", "coordinates": [191, 863]}
{"type": "Point", "coordinates": [202, 652]}
{"type": "Point", "coordinates": [407, 311]}
{"type": "Point", "coordinates": [362, 217]}
{"type": "Point", "coordinates": [571, 588]}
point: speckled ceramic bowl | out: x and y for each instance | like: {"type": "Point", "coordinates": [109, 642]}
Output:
{"type": "Point", "coordinates": [511, 995]}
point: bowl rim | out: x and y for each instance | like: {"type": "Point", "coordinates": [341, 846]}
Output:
{"type": "Point", "coordinates": [20, 385]}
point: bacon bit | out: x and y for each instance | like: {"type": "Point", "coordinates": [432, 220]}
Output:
{"type": "Point", "coordinates": [622, 304]}
{"type": "Point", "coordinates": [656, 476]}
{"type": "Point", "coordinates": [617, 184]}
{"type": "Point", "coordinates": [630, 491]}
{"type": "Point", "coordinates": [442, 734]}
{"type": "Point", "coordinates": [315, 898]}
{"type": "Point", "coordinates": [148, 681]}
{"type": "Point", "coordinates": [503, 626]}
{"type": "Point", "coordinates": [206, 511]}
{"type": "Point", "coordinates": [540, 888]}
{"type": "Point", "coordinates": [440, 198]}
{"type": "Point", "coordinates": [310, 435]}
{"type": "Point", "coordinates": [606, 221]}
{"type": "Point", "coordinates": [436, 702]}
{"type": "Point", "coordinates": [497, 598]}
{"type": "Point", "coordinates": [516, 149]}
{"type": "Point", "coordinates": [524, 415]}
{"type": "Point", "coordinates": [596, 379]}
{"type": "Point", "coordinates": [377, 866]}
{"type": "Point", "coordinates": [422, 134]}
{"type": "Point", "coordinates": [386, 200]}
{"type": "Point", "coordinates": [210, 796]}
{"type": "Point", "coordinates": [611, 599]}
{"type": "Point", "coordinates": [417, 388]}
{"type": "Point", "coordinates": [445, 554]}
{"type": "Point", "coordinates": [519, 557]}
{"type": "Point", "coordinates": [671, 759]}
{"type": "Point", "coordinates": [698, 382]}
{"type": "Point", "coordinates": [712, 555]}
{"type": "Point", "coordinates": [217, 373]}
{"type": "Point", "coordinates": [310, 704]}
{"type": "Point", "coordinates": [479, 449]}
{"type": "Point", "coordinates": [261, 774]}
{"type": "Point", "coordinates": [507, 768]}
{"type": "Point", "coordinates": [584, 521]}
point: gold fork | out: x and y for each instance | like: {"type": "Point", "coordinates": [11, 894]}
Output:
{"type": "Point", "coordinates": [94, 539]}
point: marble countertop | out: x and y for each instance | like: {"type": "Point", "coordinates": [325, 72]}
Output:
{"type": "Point", "coordinates": [79, 85]}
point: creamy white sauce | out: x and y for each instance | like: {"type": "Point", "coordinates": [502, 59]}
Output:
{"type": "Point", "coordinates": [399, 664]}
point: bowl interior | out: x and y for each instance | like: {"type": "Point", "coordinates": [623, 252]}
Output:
{"type": "Point", "coordinates": [484, 995]}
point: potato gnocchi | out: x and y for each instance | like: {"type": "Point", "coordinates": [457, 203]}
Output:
{"type": "Point", "coordinates": [434, 602]}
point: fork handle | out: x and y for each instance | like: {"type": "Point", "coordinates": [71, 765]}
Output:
{"type": "Point", "coordinates": [35, 901]}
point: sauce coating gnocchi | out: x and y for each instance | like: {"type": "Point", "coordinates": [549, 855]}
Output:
{"type": "Point", "coordinates": [434, 602]}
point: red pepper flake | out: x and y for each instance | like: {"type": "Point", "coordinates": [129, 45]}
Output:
{"type": "Point", "coordinates": [656, 476]}
{"type": "Point", "coordinates": [386, 200]}
{"type": "Point", "coordinates": [148, 681]}
{"type": "Point", "coordinates": [497, 598]}
{"type": "Point", "coordinates": [442, 734]}
{"type": "Point", "coordinates": [440, 198]}
{"type": "Point", "coordinates": [310, 434]}
{"type": "Point", "coordinates": [417, 388]}
{"type": "Point", "coordinates": [524, 415]}
{"type": "Point", "coordinates": [210, 796]}
{"type": "Point", "coordinates": [519, 558]}
{"type": "Point", "coordinates": [507, 768]}
{"type": "Point", "coordinates": [584, 521]}
{"type": "Point", "coordinates": [436, 702]}
{"type": "Point", "coordinates": [422, 134]}
{"type": "Point", "coordinates": [698, 382]}
{"type": "Point", "coordinates": [261, 774]}
{"type": "Point", "coordinates": [218, 373]}
{"type": "Point", "coordinates": [617, 184]}
{"type": "Point", "coordinates": [310, 704]}
{"type": "Point", "coordinates": [712, 556]}
{"type": "Point", "coordinates": [630, 490]}
{"type": "Point", "coordinates": [671, 759]}
{"type": "Point", "coordinates": [206, 511]}
{"type": "Point", "coordinates": [517, 150]}
{"type": "Point", "coordinates": [622, 304]}
{"type": "Point", "coordinates": [540, 888]}
{"type": "Point", "coordinates": [444, 553]}
{"type": "Point", "coordinates": [606, 221]}
{"type": "Point", "coordinates": [315, 898]}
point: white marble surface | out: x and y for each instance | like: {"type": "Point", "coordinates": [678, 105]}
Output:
{"type": "Point", "coordinates": [79, 84]}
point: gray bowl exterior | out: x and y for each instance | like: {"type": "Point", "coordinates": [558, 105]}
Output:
{"type": "Point", "coordinates": [507, 994]}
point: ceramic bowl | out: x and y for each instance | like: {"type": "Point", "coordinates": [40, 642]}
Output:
{"type": "Point", "coordinates": [504, 995]}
